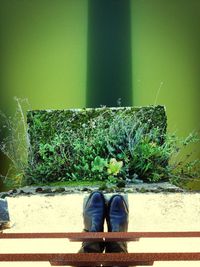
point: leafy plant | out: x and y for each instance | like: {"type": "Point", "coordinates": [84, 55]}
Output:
{"type": "Point", "coordinates": [107, 168]}
{"type": "Point", "coordinates": [111, 147]}
{"type": "Point", "coordinates": [114, 166]}
{"type": "Point", "coordinates": [183, 167]}
{"type": "Point", "coordinates": [99, 164]}
{"type": "Point", "coordinates": [14, 143]}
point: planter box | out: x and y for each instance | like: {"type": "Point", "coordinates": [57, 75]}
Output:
{"type": "Point", "coordinates": [47, 126]}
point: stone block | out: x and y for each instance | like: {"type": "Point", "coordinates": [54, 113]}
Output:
{"type": "Point", "coordinates": [46, 128]}
{"type": "Point", "coordinates": [4, 214]}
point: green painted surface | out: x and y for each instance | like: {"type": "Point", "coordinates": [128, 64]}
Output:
{"type": "Point", "coordinates": [43, 51]}
{"type": "Point", "coordinates": [165, 53]}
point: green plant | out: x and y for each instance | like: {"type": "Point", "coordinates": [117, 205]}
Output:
{"type": "Point", "coordinates": [108, 169]}
{"type": "Point", "coordinates": [99, 164]}
{"type": "Point", "coordinates": [114, 166]}
{"type": "Point", "coordinates": [149, 158]}
{"type": "Point", "coordinates": [183, 168]}
{"type": "Point", "coordinates": [111, 147]}
{"type": "Point", "coordinates": [87, 134]}
{"type": "Point", "coordinates": [111, 181]}
{"type": "Point", "coordinates": [14, 143]}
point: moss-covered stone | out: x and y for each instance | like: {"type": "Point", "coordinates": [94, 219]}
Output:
{"type": "Point", "coordinates": [51, 131]}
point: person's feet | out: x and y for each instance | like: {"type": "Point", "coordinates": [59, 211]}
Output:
{"type": "Point", "coordinates": [94, 212]}
{"type": "Point", "coordinates": [117, 221]}
{"type": "Point", "coordinates": [117, 215]}
{"type": "Point", "coordinates": [93, 216]}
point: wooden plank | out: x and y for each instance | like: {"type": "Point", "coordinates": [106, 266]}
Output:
{"type": "Point", "coordinates": [102, 236]}
{"type": "Point", "coordinates": [135, 263]}
{"type": "Point", "coordinates": [102, 258]}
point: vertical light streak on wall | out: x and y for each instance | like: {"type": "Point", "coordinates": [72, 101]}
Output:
{"type": "Point", "coordinates": [109, 53]}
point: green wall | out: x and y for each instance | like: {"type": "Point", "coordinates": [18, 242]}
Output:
{"type": "Point", "coordinates": [165, 49]}
{"type": "Point", "coordinates": [43, 45]}
{"type": "Point", "coordinates": [43, 56]}
{"type": "Point", "coordinates": [166, 60]}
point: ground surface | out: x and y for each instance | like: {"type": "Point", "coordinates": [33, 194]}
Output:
{"type": "Point", "coordinates": [63, 213]}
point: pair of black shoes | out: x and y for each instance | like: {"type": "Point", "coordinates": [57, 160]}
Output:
{"type": "Point", "coordinates": [115, 212]}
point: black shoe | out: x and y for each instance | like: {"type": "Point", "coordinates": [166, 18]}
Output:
{"type": "Point", "coordinates": [94, 215]}
{"type": "Point", "coordinates": [117, 221]}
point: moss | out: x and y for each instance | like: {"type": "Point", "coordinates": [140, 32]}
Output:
{"type": "Point", "coordinates": [43, 124]}
{"type": "Point", "coordinates": [103, 187]}
{"type": "Point", "coordinates": [142, 190]}
{"type": "Point", "coordinates": [193, 185]}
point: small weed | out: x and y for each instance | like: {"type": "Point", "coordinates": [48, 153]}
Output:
{"type": "Point", "coordinates": [15, 144]}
